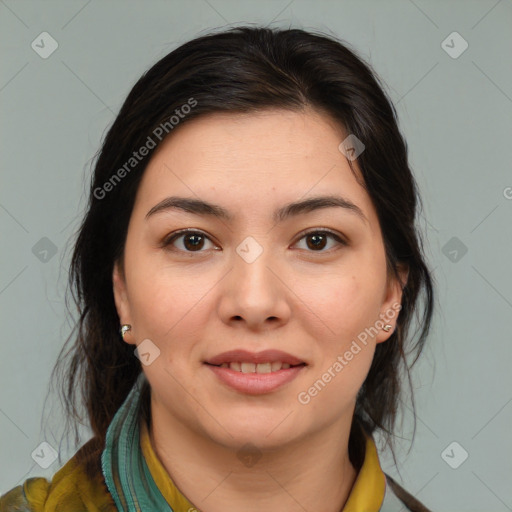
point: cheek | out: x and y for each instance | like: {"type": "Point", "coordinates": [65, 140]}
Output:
{"type": "Point", "coordinates": [346, 303]}
{"type": "Point", "coordinates": [166, 304]}
{"type": "Point", "coordinates": [156, 299]}
{"type": "Point", "coordinates": [346, 377]}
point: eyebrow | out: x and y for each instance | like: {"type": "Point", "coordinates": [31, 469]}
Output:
{"type": "Point", "coordinates": [200, 207]}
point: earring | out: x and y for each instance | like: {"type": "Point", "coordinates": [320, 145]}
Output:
{"type": "Point", "coordinates": [387, 327]}
{"type": "Point", "coordinates": [124, 329]}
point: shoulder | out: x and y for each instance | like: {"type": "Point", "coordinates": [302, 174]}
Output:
{"type": "Point", "coordinates": [71, 488]}
{"type": "Point", "coordinates": [27, 497]}
{"type": "Point", "coordinates": [397, 492]}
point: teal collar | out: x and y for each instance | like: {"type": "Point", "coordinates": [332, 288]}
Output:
{"type": "Point", "coordinates": [124, 467]}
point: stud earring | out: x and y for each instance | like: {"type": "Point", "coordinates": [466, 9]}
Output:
{"type": "Point", "coordinates": [387, 327]}
{"type": "Point", "coordinates": [124, 329]}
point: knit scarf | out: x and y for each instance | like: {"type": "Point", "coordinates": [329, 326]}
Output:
{"type": "Point", "coordinates": [125, 470]}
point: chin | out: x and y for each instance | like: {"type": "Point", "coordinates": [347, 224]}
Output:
{"type": "Point", "coordinates": [264, 434]}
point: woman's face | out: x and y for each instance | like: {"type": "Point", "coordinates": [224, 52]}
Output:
{"type": "Point", "coordinates": [249, 279]}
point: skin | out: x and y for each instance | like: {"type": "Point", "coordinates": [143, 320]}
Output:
{"type": "Point", "coordinates": [310, 302]}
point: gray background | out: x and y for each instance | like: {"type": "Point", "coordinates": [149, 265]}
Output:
{"type": "Point", "coordinates": [456, 114]}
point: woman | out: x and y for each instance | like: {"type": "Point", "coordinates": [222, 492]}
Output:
{"type": "Point", "coordinates": [246, 274]}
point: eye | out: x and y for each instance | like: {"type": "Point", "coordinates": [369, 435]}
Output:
{"type": "Point", "coordinates": [192, 241]}
{"type": "Point", "coordinates": [317, 239]}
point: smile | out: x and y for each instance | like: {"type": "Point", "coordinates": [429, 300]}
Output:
{"type": "Point", "coordinates": [268, 367]}
{"type": "Point", "coordinates": [255, 379]}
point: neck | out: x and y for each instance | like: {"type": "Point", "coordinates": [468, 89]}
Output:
{"type": "Point", "coordinates": [313, 473]}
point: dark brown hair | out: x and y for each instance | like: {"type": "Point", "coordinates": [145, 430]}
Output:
{"type": "Point", "coordinates": [244, 69]}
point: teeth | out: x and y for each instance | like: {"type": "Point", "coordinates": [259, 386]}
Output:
{"type": "Point", "coordinates": [276, 365]}
{"type": "Point", "coordinates": [248, 367]}
{"type": "Point", "coordinates": [256, 368]}
{"type": "Point", "coordinates": [264, 368]}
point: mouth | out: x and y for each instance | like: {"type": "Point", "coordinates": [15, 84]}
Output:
{"type": "Point", "coordinates": [259, 368]}
{"type": "Point", "coordinates": [265, 361]}
{"type": "Point", "coordinates": [255, 373]}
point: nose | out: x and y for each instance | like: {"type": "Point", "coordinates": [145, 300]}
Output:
{"type": "Point", "coordinates": [254, 294]}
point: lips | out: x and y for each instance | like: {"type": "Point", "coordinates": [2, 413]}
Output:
{"type": "Point", "coordinates": [243, 356]}
{"type": "Point", "coordinates": [255, 383]}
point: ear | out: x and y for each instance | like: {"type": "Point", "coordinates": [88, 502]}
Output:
{"type": "Point", "coordinates": [121, 299]}
{"type": "Point", "coordinates": [391, 305]}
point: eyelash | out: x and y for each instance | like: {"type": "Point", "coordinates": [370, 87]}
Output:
{"type": "Point", "coordinates": [167, 242]}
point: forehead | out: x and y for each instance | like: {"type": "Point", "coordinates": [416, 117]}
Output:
{"type": "Point", "coordinates": [253, 160]}
{"type": "Point", "coordinates": [281, 136]}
